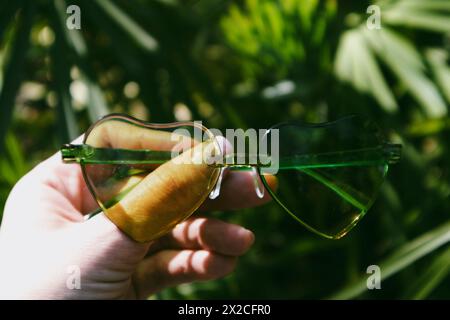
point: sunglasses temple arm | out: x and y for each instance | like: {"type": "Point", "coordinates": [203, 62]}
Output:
{"type": "Point", "coordinates": [86, 154]}
{"type": "Point", "coordinates": [386, 153]}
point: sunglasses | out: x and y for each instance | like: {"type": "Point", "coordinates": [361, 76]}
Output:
{"type": "Point", "coordinates": [327, 175]}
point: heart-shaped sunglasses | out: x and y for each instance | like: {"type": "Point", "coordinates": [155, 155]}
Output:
{"type": "Point", "coordinates": [327, 175]}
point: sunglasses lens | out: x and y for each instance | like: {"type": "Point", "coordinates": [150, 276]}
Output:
{"type": "Point", "coordinates": [325, 180]}
{"type": "Point", "coordinates": [124, 180]}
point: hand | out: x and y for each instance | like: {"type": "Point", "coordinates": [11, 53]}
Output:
{"type": "Point", "coordinates": [45, 241]}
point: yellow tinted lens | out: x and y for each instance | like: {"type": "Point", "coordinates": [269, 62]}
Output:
{"type": "Point", "coordinates": [151, 177]}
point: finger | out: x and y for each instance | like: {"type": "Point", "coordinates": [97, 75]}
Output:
{"type": "Point", "coordinates": [153, 203]}
{"type": "Point", "coordinates": [115, 133]}
{"type": "Point", "coordinates": [171, 267]}
{"type": "Point", "coordinates": [238, 192]}
{"type": "Point", "coordinates": [164, 197]}
{"type": "Point", "coordinates": [209, 234]}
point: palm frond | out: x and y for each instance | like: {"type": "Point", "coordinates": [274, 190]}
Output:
{"type": "Point", "coordinates": [140, 36]}
{"type": "Point", "coordinates": [429, 15]}
{"type": "Point", "coordinates": [14, 71]}
{"type": "Point", "coordinates": [431, 277]}
{"type": "Point", "coordinates": [400, 259]}
{"type": "Point", "coordinates": [97, 106]}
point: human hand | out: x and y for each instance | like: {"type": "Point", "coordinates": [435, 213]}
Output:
{"type": "Point", "coordinates": [44, 236]}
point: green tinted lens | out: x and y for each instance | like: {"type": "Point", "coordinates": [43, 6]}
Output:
{"type": "Point", "coordinates": [330, 173]}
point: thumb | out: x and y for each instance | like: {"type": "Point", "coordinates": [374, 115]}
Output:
{"type": "Point", "coordinates": [165, 197]}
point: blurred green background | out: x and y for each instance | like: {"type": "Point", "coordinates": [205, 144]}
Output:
{"type": "Point", "coordinates": [241, 64]}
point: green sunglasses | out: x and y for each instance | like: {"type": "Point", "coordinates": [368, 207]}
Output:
{"type": "Point", "coordinates": [327, 175]}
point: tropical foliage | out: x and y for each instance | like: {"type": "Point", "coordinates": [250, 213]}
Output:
{"type": "Point", "coordinates": [252, 64]}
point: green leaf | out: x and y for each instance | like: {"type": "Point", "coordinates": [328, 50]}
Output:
{"type": "Point", "coordinates": [356, 64]}
{"type": "Point", "coordinates": [15, 153]}
{"type": "Point", "coordinates": [132, 29]}
{"type": "Point", "coordinates": [426, 15]}
{"type": "Point", "coordinates": [134, 61]}
{"type": "Point", "coordinates": [343, 63]}
{"type": "Point", "coordinates": [428, 127]}
{"type": "Point", "coordinates": [432, 5]}
{"type": "Point", "coordinates": [419, 20]}
{"type": "Point", "coordinates": [306, 9]}
{"type": "Point", "coordinates": [405, 62]}
{"type": "Point", "coordinates": [13, 166]}
{"type": "Point", "coordinates": [61, 70]}
{"type": "Point", "coordinates": [14, 71]}
{"type": "Point", "coordinates": [437, 58]}
{"type": "Point", "coordinates": [97, 106]}
{"type": "Point", "coordinates": [7, 13]}
{"type": "Point", "coordinates": [73, 37]}
{"type": "Point", "coordinates": [432, 277]}
{"type": "Point", "coordinates": [400, 259]}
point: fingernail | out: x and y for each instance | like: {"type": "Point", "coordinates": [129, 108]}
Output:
{"type": "Point", "coordinates": [247, 235]}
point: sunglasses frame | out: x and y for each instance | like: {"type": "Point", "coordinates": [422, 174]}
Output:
{"type": "Point", "coordinates": [384, 154]}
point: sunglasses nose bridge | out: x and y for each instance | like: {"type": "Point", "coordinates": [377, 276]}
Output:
{"type": "Point", "coordinates": [215, 192]}
{"type": "Point", "coordinates": [257, 182]}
